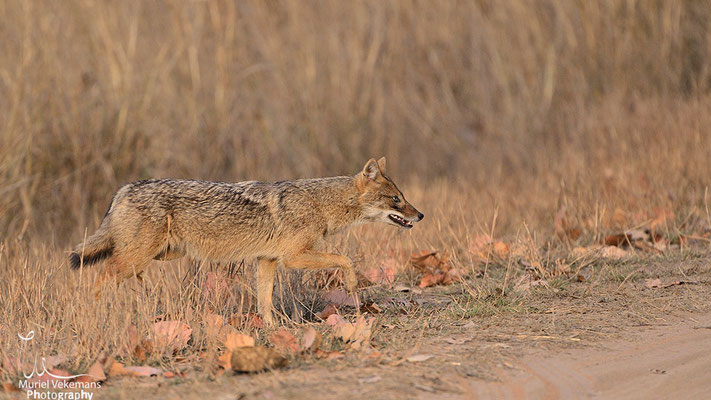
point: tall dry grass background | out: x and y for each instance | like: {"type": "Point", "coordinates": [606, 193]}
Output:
{"type": "Point", "coordinates": [483, 108]}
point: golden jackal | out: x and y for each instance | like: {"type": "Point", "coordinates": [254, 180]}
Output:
{"type": "Point", "coordinates": [275, 223]}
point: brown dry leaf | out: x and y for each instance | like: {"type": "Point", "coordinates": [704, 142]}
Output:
{"type": "Point", "coordinates": [143, 371]}
{"type": "Point", "coordinates": [436, 269]}
{"type": "Point", "coordinates": [310, 340]}
{"type": "Point", "coordinates": [653, 283]}
{"type": "Point", "coordinates": [255, 359]}
{"type": "Point", "coordinates": [431, 279]}
{"type": "Point", "coordinates": [370, 307]}
{"type": "Point", "coordinates": [168, 374]}
{"type": "Point", "coordinates": [171, 335]}
{"type": "Point", "coordinates": [236, 339]}
{"type": "Point", "coordinates": [425, 261]}
{"type": "Point", "coordinates": [96, 371]}
{"type": "Point", "coordinates": [341, 327]}
{"type": "Point", "coordinates": [357, 334]}
{"type": "Point", "coordinates": [225, 360]}
{"type": "Point", "coordinates": [327, 311]}
{"type": "Point", "coordinates": [340, 298]}
{"type": "Point", "coordinates": [117, 369]}
{"type": "Point", "coordinates": [284, 342]}
{"type": "Point", "coordinates": [142, 350]}
{"type": "Point", "coordinates": [9, 387]}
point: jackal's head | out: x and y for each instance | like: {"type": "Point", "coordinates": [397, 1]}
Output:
{"type": "Point", "coordinates": [381, 200]}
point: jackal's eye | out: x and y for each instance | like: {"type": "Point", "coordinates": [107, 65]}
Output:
{"type": "Point", "coordinates": [396, 199]}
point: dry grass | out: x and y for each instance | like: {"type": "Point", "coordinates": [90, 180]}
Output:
{"type": "Point", "coordinates": [493, 116]}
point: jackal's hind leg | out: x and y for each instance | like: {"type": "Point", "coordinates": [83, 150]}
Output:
{"type": "Point", "coordinates": [310, 259]}
{"type": "Point", "coordinates": [266, 271]}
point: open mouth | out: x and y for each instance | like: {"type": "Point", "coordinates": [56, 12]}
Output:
{"type": "Point", "coordinates": [400, 221]}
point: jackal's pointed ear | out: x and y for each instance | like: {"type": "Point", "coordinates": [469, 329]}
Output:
{"type": "Point", "coordinates": [371, 169]}
{"type": "Point", "coordinates": [381, 165]}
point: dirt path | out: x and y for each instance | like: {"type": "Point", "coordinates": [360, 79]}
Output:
{"type": "Point", "coordinates": [672, 361]}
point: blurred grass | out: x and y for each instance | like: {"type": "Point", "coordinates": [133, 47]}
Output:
{"type": "Point", "coordinates": [515, 101]}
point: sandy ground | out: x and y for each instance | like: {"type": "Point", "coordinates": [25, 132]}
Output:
{"type": "Point", "coordinates": [670, 361]}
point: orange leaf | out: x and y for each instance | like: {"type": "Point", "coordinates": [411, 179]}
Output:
{"type": "Point", "coordinates": [9, 387]}
{"type": "Point", "coordinates": [284, 342]}
{"type": "Point", "coordinates": [171, 335]}
{"type": "Point", "coordinates": [310, 340]}
{"type": "Point", "coordinates": [225, 360]}
{"type": "Point", "coordinates": [144, 371]}
{"type": "Point", "coordinates": [328, 311]}
{"type": "Point", "coordinates": [236, 339]}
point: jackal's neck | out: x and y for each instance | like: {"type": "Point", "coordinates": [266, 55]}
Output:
{"type": "Point", "coordinates": [340, 205]}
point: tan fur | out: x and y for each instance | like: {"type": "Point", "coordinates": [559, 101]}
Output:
{"type": "Point", "coordinates": [274, 223]}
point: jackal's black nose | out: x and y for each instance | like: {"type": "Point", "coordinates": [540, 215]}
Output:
{"type": "Point", "coordinates": [420, 216]}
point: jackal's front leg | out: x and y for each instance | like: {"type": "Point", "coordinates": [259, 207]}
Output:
{"type": "Point", "coordinates": [315, 260]}
{"type": "Point", "coordinates": [266, 270]}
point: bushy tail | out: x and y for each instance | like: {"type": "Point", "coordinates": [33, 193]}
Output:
{"type": "Point", "coordinates": [97, 247]}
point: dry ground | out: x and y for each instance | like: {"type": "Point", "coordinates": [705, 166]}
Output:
{"type": "Point", "coordinates": [609, 335]}
{"type": "Point", "coordinates": [602, 338]}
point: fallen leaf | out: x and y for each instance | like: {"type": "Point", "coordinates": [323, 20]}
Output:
{"type": "Point", "coordinates": [327, 311]}
{"type": "Point", "coordinates": [117, 369]}
{"type": "Point", "coordinates": [225, 360]}
{"type": "Point", "coordinates": [284, 342]}
{"type": "Point", "coordinates": [340, 298]}
{"type": "Point", "coordinates": [143, 371]}
{"type": "Point", "coordinates": [341, 327]}
{"type": "Point", "coordinates": [310, 340]}
{"type": "Point", "coordinates": [653, 283]}
{"type": "Point", "coordinates": [419, 358]}
{"type": "Point", "coordinates": [357, 334]}
{"type": "Point", "coordinates": [255, 359]}
{"type": "Point", "coordinates": [142, 350]}
{"type": "Point", "coordinates": [9, 387]}
{"type": "Point", "coordinates": [371, 308]}
{"type": "Point", "coordinates": [171, 335]}
{"type": "Point", "coordinates": [168, 374]}
{"type": "Point", "coordinates": [236, 339]}
{"type": "Point", "coordinates": [95, 372]}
